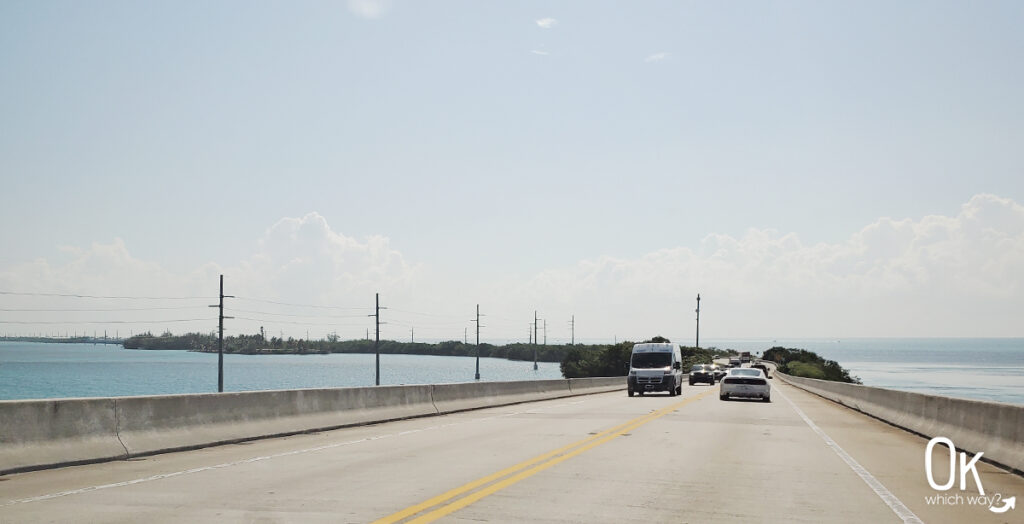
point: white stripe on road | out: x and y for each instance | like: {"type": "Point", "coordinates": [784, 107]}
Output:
{"type": "Point", "coordinates": [894, 503]}
{"type": "Point", "coordinates": [278, 455]}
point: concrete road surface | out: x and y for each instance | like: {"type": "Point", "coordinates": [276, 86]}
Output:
{"type": "Point", "coordinates": [598, 458]}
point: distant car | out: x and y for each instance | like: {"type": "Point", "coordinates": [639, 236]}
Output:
{"type": "Point", "coordinates": [734, 362]}
{"type": "Point", "coordinates": [746, 383]}
{"type": "Point", "coordinates": [719, 372]}
{"type": "Point", "coordinates": [702, 373]}
{"type": "Point", "coordinates": [763, 368]}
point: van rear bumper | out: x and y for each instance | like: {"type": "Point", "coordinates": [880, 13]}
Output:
{"type": "Point", "coordinates": [667, 383]}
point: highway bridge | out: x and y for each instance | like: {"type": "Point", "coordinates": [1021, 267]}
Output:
{"type": "Point", "coordinates": [601, 457]}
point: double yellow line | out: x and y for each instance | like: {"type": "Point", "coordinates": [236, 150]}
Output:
{"type": "Point", "coordinates": [523, 470]}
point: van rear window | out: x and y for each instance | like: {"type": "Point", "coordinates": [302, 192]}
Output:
{"type": "Point", "coordinates": [652, 360]}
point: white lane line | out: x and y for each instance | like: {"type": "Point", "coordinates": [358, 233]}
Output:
{"type": "Point", "coordinates": [894, 503]}
{"type": "Point", "coordinates": [274, 456]}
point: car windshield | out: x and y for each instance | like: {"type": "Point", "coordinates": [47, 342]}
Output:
{"type": "Point", "coordinates": [697, 368]}
{"type": "Point", "coordinates": [748, 372]}
{"type": "Point", "coordinates": [651, 360]}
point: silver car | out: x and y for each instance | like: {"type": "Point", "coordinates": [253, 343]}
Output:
{"type": "Point", "coordinates": [745, 382]}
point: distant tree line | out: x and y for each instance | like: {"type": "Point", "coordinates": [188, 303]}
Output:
{"type": "Point", "coordinates": [579, 360]}
{"type": "Point", "coordinates": [613, 360]}
{"type": "Point", "coordinates": [257, 344]}
{"type": "Point", "coordinates": [803, 363]}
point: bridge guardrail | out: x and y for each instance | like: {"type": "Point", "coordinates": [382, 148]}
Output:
{"type": "Point", "coordinates": [40, 434]}
{"type": "Point", "coordinates": [994, 428]}
{"type": "Point", "coordinates": [596, 384]}
{"type": "Point", "coordinates": [58, 431]}
{"type": "Point", "coordinates": [449, 398]}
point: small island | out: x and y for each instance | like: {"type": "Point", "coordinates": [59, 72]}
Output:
{"type": "Point", "coordinates": [576, 360]}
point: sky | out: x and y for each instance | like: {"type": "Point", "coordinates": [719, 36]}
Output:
{"type": "Point", "coordinates": [811, 169]}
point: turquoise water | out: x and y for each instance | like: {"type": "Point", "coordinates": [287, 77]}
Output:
{"type": "Point", "coordinates": [38, 370]}
{"type": "Point", "coordinates": [976, 368]}
{"type": "Point", "coordinates": [986, 369]}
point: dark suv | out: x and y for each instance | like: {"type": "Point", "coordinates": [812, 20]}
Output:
{"type": "Point", "coordinates": [702, 373]}
{"type": "Point", "coordinates": [763, 368]}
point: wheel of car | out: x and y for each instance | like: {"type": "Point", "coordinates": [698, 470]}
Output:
{"type": "Point", "coordinates": [641, 393]}
{"type": "Point", "coordinates": [679, 389]}
{"type": "Point", "coordinates": [672, 391]}
{"type": "Point", "coordinates": [767, 399]}
{"type": "Point", "coordinates": [723, 397]}
{"type": "Point", "coordinates": [691, 382]}
{"type": "Point", "coordinates": [631, 392]}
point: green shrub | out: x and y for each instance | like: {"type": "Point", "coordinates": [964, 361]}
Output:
{"type": "Point", "coordinates": [803, 363]}
{"type": "Point", "coordinates": [805, 369]}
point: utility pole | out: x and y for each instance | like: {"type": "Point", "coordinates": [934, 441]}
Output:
{"type": "Point", "coordinates": [465, 337]}
{"type": "Point", "coordinates": [412, 335]}
{"type": "Point", "coordinates": [220, 339]}
{"type": "Point", "coordinates": [697, 344]}
{"type": "Point", "coordinates": [535, 340]}
{"type": "Point", "coordinates": [477, 341]}
{"type": "Point", "coordinates": [376, 344]}
{"type": "Point", "coordinates": [545, 331]}
{"type": "Point", "coordinates": [572, 330]}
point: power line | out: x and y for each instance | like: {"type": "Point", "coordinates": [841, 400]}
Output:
{"type": "Point", "coordinates": [106, 321]}
{"type": "Point", "coordinates": [290, 322]}
{"type": "Point", "coordinates": [441, 323]}
{"type": "Point", "coordinates": [75, 295]}
{"type": "Point", "coordinates": [301, 305]}
{"type": "Point", "coordinates": [293, 315]}
{"type": "Point", "coordinates": [423, 314]}
{"type": "Point", "coordinates": [108, 310]}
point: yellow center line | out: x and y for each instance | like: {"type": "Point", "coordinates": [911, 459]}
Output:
{"type": "Point", "coordinates": [552, 458]}
{"type": "Point", "coordinates": [412, 510]}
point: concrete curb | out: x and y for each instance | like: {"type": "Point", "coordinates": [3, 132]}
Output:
{"type": "Point", "coordinates": [994, 428]}
{"type": "Point", "coordinates": [42, 434]}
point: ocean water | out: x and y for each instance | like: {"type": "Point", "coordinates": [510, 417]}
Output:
{"type": "Point", "coordinates": [974, 368]}
{"type": "Point", "coordinates": [39, 370]}
{"type": "Point", "coordinates": [985, 369]}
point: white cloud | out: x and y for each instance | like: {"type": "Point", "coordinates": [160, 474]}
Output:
{"type": "Point", "coordinates": [369, 8]}
{"type": "Point", "coordinates": [304, 260]}
{"type": "Point", "coordinates": [298, 260]}
{"type": "Point", "coordinates": [959, 275]}
{"type": "Point", "coordinates": [539, 52]}
{"type": "Point", "coordinates": [937, 276]}
{"type": "Point", "coordinates": [547, 23]}
{"type": "Point", "coordinates": [656, 57]}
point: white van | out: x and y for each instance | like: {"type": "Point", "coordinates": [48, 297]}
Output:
{"type": "Point", "coordinates": [655, 367]}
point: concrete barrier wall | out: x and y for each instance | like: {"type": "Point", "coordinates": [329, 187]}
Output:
{"type": "Point", "coordinates": [474, 395]}
{"type": "Point", "coordinates": [994, 428]}
{"type": "Point", "coordinates": [167, 423]}
{"type": "Point", "coordinates": [38, 434]}
{"type": "Point", "coordinates": [596, 385]}
{"type": "Point", "coordinates": [48, 433]}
